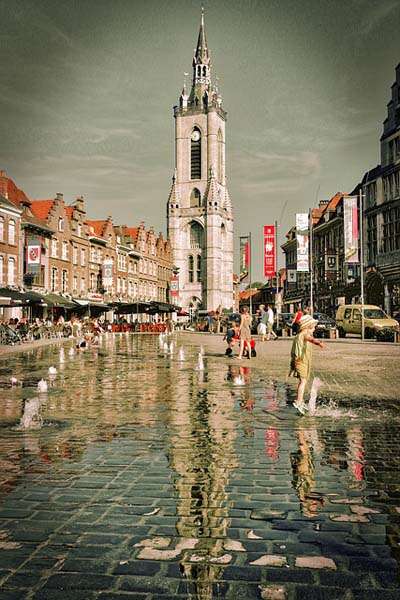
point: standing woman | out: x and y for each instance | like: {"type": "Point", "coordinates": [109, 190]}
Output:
{"type": "Point", "coordinates": [245, 331]}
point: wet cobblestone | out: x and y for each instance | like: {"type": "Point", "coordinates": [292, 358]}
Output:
{"type": "Point", "coordinates": [151, 479]}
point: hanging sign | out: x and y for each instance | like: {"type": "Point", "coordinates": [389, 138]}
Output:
{"type": "Point", "coordinates": [302, 242]}
{"type": "Point", "coordinates": [269, 251]}
{"type": "Point", "coordinates": [350, 214]}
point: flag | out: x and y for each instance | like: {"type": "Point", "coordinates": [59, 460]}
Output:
{"type": "Point", "coordinates": [302, 242]}
{"type": "Point", "coordinates": [350, 216]}
{"type": "Point", "coordinates": [269, 251]}
{"type": "Point", "coordinates": [245, 257]}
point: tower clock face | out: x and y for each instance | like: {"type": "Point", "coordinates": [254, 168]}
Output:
{"type": "Point", "coordinates": [195, 136]}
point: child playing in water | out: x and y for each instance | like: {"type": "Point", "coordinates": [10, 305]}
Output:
{"type": "Point", "coordinates": [300, 363]}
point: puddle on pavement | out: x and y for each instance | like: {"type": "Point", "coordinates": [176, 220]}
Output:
{"type": "Point", "coordinates": [220, 443]}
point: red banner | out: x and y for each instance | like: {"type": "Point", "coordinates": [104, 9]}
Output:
{"type": "Point", "coordinates": [269, 251]}
{"type": "Point", "coordinates": [174, 287]}
{"type": "Point", "coordinates": [245, 257]}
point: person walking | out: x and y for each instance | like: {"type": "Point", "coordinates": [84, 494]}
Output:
{"type": "Point", "coordinates": [270, 324]}
{"type": "Point", "coordinates": [300, 358]}
{"type": "Point", "coordinates": [262, 326]}
{"type": "Point", "coordinates": [245, 331]}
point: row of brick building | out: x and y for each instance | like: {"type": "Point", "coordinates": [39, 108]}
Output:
{"type": "Point", "coordinates": [52, 247]}
{"type": "Point", "coordinates": [334, 280]}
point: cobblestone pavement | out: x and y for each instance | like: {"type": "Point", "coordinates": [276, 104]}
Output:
{"type": "Point", "coordinates": [142, 475]}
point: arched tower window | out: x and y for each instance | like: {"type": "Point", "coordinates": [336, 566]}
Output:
{"type": "Point", "coordinates": [220, 156]}
{"type": "Point", "coordinates": [196, 235]}
{"type": "Point", "coordinates": [195, 154]}
{"type": "Point", "coordinates": [204, 71]}
{"type": "Point", "coordinates": [190, 268]}
{"type": "Point", "coordinates": [195, 198]}
{"type": "Point", "coordinates": [199, 267]}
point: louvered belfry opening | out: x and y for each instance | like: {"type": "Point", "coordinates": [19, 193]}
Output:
{"type": "Point", "coordinates": [195, 156]}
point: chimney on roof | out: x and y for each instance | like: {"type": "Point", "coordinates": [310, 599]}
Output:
{"type": "Point", "coordinates": [3, 173]}
{"type": "Point", "coordinates": [59, 196]}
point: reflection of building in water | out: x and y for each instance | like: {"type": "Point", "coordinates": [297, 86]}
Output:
{"type": "Point", "coordinates": [202, 454]}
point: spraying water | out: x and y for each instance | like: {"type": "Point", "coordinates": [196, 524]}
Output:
{"type": "Point", "coordinates": [31, 417]}
{"type": "Point", "coordinates": [200, 362]}
{"type": "Point", "coordinates": [312, 404]}
{"type": "Point", "coordinates": [42, 386]}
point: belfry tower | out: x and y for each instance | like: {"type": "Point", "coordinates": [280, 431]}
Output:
{"type": "Point", "coordinates": [199, 211]}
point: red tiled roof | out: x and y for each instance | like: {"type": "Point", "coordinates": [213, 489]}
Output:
{"type": "Point", "coordinates": [131, 232]}
{"type": "Point", "coordinates": [10, 191]}
{"type": "Point", "coordinates": [97, 226]}
{"type": "Point", "coordinates": [41, 208]}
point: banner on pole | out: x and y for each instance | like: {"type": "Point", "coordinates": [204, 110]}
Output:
{"type": "Point", "coordinates": [350, 215]}
{"type": "Point", "coordinates": [269, 251]}
{"type": "Point", "coordinates": [107, 273]}
{"type": "Point", "coordinates": [33, 255]}
{"type": "Point", "coordinates": [174, 287]}
{"type": "Point", "coordinates": [245, 257]}
{"type": "Point", "coordinates": [302, 237]}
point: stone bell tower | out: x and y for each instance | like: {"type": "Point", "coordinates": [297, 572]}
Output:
{"type": "Point", "coordinates": [199, 210]}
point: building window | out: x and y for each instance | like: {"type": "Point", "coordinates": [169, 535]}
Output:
{"type": "Point", "coordinates": [75, 255]}
{"type": "Point", "coordinates": [54, 248]}
{"type": "Point", "coordinates": [64, 254]}
{"type": "Point", "coordinates": [195, 154]}
{"type": "Point", "coordinates": [11, 231]}
{"type": "Point", "coordinates": [75, 287]}
{"type": "Point", "coordinates": [1, 228]}
{"type": "Point", "coordinates": [191, 268]}
{"type": "Point", "coordinates": [83, 257]}
{"type": "Point", "coordinates": [195, 198]}
{"type": "Point", "coordinates": [53, 279]}
{"type": "Point", "coordinates": [196, 235]}
{"type": "Point", "coordinates": [60, 224]}
{"type": "Point", "coordinates": [92, 282]}
{"type": "Point", "coordinates": [64, 281]}
{"type": "Point", "coordinates": [83, 284]}
{"type": "Point", "coordinates": [198, 267]}
{"type": "Point", "coordinates": [1, 270]}
{"type": "Point", "coordinates": [11, 271]}
{"type": "Point", "coordinates": [79, 230]}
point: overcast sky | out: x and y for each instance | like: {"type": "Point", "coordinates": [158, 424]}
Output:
{"type": "Point", "coordinates": [87, 90]}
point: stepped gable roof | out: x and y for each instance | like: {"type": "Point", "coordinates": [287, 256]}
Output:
{"type": "Point", "coordinates": [41, 208]}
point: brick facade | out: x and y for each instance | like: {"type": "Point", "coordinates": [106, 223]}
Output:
{"type": "Point", "coordinates": [84, 259]}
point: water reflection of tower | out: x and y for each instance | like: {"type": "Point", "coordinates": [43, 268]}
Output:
{"type": "Point", "coordinates": [202, 454]}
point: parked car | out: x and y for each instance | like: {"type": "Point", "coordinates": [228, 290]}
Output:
{"type": "Point", "coordinates": [324, 326]}
{"type": "Point", "coordinates": [377, 324]}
